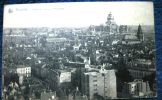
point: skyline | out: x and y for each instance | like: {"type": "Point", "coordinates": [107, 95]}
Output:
{"type": "Point", "coordinates": [77, 14]}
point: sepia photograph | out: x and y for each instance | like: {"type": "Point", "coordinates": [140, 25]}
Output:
{"type": "Point", "coordinates": [79, 51]}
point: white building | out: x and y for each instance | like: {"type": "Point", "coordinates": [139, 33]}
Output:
{"type": "Point", "coordinates": [137, 88]}
{"type": "Point", "coordinates": [65, 77]}
{"type": "Point", "coordinates": [23, 70]}
{"type": "Point", "coordinates": [102, 83]}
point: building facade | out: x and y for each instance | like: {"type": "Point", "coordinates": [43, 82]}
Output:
{"type": "Point", "coordinates": [23, 70]}
{"type": "Point", "coordinates": [102, 83]}
{"type": "Point", "coordinates": [137, 88]}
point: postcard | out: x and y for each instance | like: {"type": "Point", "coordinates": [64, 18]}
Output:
{"type": "Point", "coordinates": [79, 51]}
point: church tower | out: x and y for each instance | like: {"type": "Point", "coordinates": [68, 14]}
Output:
{"type": "Point", "coordinates": [140, 34]}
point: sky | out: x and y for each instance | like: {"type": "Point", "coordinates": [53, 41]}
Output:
{"type": "Point", "coordinates": [77, 14]}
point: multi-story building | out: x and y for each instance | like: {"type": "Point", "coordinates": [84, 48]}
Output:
{"type": "Point", "coordinates": [101, 82]}
{"type": "Point", "coordinates": [139, 68]}
{"type": "Point", "coordinates": [137, 88]}
{"type": "Point", "coordinates": [65, 76]}
{"type": "Point", "coordinates": [65, 80]}
{"type": "Point", "coordinates": [23, 70]}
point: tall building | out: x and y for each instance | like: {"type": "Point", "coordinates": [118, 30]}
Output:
{"type": "Point", "coordinates": [137, 88]}
{"type": "Point", "coordinates": [65, 80]}
{"type": "Point", "coordinates": [102, 83]}
{"type": "Point", "coordinates": [140, 34]}
{"type": "Point", "coordinates": [139, 68]}
{"type": "Point", "coordinates": [65, 76]}
{"type": "Point", "coordinates": [112, 27]}
{"type": "Point", "coordinates": [22, 70]}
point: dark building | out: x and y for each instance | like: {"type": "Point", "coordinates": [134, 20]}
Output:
{"type": "Point", "coordinates": [137, 88]}
{"type": "Point", "coordinates": [140, 34]}
{"type": "Point", "coordinates": [139, 68]}
{"type": "Point", "coordinates": [123, 29]}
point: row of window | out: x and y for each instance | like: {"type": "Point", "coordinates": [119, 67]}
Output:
{"type": "Point", "coordinates": [26, 70]}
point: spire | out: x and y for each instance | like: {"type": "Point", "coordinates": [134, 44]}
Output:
{"type": "Point", "coordinates": [140, 33]}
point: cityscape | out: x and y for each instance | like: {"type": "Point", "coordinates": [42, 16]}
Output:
{"type": "Point", "coordinates": [99, 62]}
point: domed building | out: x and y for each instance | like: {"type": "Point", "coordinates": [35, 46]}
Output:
{"type": "Point", "coordinates": [111, 25]}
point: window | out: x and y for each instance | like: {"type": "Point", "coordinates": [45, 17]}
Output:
{"type": "Point", "coordinates": [95, 89]}
{"type": "Point", "coordinates": [94, 80]}
{"type": "Point", "coordinates": [103, 74]}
